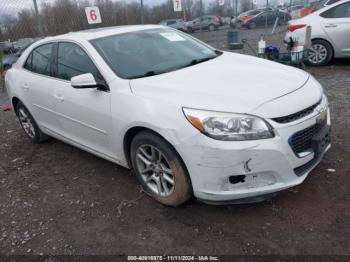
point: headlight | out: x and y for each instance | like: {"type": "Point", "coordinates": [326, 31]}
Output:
{"type": "Point", "coordinates": [229, 126]}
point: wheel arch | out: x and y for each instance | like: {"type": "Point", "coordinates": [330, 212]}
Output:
{"type": "Point", "coordinates": [15, 100]}
{"type": "Point", "coordinates": [133, 131]}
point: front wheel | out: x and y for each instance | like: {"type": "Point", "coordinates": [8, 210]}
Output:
{"type": "Point", "coordinates": [320, 53]}
{"type": "Point", "coordinates": [211, 28]}
{"type": "Point", "coordinates": [160, 170]}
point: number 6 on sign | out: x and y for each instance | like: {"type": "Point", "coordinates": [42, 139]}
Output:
{"type": "Point", "coordinates": [177, 5]}
{"type": "Point", "coordinates": [93, 15]}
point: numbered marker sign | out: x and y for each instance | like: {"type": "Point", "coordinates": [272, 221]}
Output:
{"type": "Point", "coordinates": [93, 15]}
{"type": "Point", "coordinates": [221, 2]}
{"type": "Point", "coordinates": [177, 5]}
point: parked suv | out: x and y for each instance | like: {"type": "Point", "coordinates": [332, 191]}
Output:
{"type": "Point", "coordinates": [178, 24]}
{"type": "Point", "coordinates": [208, 22]}
{"type": "Point", "coordinates": [259, 17]}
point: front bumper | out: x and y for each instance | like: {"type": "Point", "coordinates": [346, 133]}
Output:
{"type": "Point", "coordinates": [263, 166]}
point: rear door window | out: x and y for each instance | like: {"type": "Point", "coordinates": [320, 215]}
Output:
{"type": "Point", "coordinates": [339, 11]}
{"type": "Point", "coordinates": [39, 61]}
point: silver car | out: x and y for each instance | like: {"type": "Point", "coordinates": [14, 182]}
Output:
{"type": "Point", "coordinates": [330, 37]}
{"type": "Point", "coordinates": [178, 24]}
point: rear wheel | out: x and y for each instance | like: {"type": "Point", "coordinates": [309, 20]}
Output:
{"type": "Point", "coordinates": [252, 25]}
{"type": "Point", "coordinates": [190, 30]}
{"type": "Point", "coordinates": [29, 125]}
{"type": "Point", "coordinates": [160, 170]}
{"type": "Point", "coordinates": [320, 53]}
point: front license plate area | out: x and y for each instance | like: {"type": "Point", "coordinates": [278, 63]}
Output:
{"type": "Point", "coordinates": [321, 140]}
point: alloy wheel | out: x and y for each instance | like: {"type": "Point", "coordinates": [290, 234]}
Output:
{"type": "Point", "coordinates": [155, 170]}
{"type": "Point", "coordinates": [26, 122]}
{"type": "Point", "coordinates": [317, 54]}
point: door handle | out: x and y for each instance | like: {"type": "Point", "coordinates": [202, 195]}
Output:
{"type": "Point", "coordinates": [59, 97]}
{"type": "Point", "coordinates": [25, 86]}
{"type": "Point", "coordinates": [330, 25]}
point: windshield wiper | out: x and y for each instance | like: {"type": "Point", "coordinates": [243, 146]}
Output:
{"type": "Point", "coordinates": [200, 60]}
{"type": "Point", "coordinates": [148, 73]}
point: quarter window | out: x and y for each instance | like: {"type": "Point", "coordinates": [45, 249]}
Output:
{"type": "Point", "coordinates": [340, 11]}
{"type": "Point", "coordinates": [39, 61]}
{"type": "Point", "coordinates": [72, 61]}
{"type": "Point", "coordinates": [171, 22]}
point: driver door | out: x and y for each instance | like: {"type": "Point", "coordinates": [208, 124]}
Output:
{"type": "Point", "coordinates": [84, 114]}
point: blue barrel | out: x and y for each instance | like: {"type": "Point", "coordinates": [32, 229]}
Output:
{"type": "Point", "coordinates": [232, 37]}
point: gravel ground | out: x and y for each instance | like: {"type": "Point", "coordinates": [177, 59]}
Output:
{"type": "Point", "coordinates": [56, 199]}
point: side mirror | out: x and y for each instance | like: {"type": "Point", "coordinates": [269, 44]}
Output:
{"type": "Point", "coordinates": [87, 81]}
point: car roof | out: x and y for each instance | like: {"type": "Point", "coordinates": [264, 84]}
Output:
{"type": "Point", "coordinates": [99, 32]}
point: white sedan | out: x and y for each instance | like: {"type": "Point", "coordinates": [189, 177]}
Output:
{"type": "Point", "coordinates": [330, 32]}
{"type": "Point", "coordinates": [189, 119]}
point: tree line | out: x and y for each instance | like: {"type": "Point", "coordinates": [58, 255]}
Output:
{"type": "Point", "coordinates": [62, 16]}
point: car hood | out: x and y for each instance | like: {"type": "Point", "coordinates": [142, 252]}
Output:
{"type": "Point", "coordinates": [230, 82]}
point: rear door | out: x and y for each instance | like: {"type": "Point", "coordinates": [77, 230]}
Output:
{"type": "Point", "coordinates": [336, 24]}
{"type": "Point", "coordinates": [38, 86]}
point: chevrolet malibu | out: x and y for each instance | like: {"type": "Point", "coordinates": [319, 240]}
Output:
{"type": "Point", "coordinates": [188, 119]}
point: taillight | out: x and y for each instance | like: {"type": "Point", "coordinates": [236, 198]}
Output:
{"type": "Point", "coordinates": [292, 28]}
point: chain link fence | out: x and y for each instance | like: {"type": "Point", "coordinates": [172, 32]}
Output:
{"type": "Point", "coordinates": [20, 18]}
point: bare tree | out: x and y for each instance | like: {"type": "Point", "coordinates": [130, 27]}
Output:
{"type": "Point", "coordinates": [62, 16]}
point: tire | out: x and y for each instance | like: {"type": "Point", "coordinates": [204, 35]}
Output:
{"type": "Point", "coordinates": [190, 30]}
{"type": "Point", "coordinates": [29, 125]}
{"type": "Point", "coordinates": [252, 25]}
{"type": "Point", "coordinates": [163, 176]}
{"type": "Point", "coordinates": [211, 28]}
{"type": "Point", "coordinates": [320, 53]}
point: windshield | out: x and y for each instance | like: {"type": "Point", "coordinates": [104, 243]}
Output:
{"type": "Point", "coordinates": [151, 52]}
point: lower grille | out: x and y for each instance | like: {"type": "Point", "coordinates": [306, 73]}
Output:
{"type": "Point", "coordinates": [301, 141]}
{"type": "Point", "coordinates": [301, 170]}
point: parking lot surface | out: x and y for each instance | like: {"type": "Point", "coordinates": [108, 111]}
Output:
{"type": "Point", "coordinates": [57, 199]}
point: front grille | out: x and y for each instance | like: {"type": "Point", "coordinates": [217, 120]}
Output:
{"type": "Point", "coordinates": [301, 141]}
{"type": "Point", "coordinates": [297, 115]}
